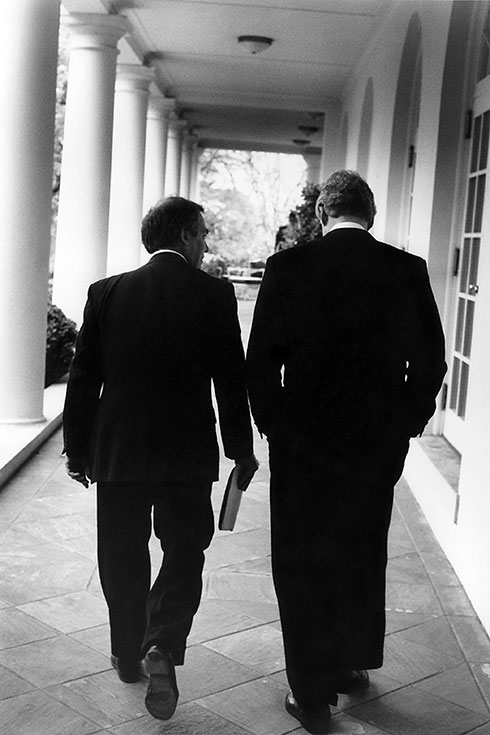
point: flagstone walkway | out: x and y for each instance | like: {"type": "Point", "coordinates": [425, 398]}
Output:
{"type": "Point", "coordinates": [55, 674]}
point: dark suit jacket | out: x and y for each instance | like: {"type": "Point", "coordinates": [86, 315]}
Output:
{"type": "Point", "coordinates": [138, 404]}
{"type": "Point", "coordinates": [355, 325]}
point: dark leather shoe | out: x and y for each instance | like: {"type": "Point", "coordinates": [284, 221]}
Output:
{"type": "Point", "coordinates": [162, 695]}
{"type": "Point", "coordinates": [129, 670]}
{"type": "Point", "coordinates": [316, 722]}
{"type": "Point", "coordinates": [354, 681]}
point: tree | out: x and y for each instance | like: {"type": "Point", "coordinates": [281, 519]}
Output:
{"type": "Point", "coordinates": [246, 195]}
{"type": "Point", "coordinates": [61, 86]}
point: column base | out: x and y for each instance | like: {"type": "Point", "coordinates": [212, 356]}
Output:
{"type": "Point", "coordinates": [19, 441]}
{"type": "Point", "coordinates": [22, 422]}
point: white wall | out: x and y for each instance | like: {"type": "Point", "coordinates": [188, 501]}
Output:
{"type": "Point", "coordinates": [382, 63]}
{"type": "Point", "coordinates": [467, 542]}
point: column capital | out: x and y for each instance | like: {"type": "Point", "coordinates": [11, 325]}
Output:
{"type": "Point", "coordinates": [91, 30]}
{"type": "Point", "coordinates": [177, 125]}
{"type": "Point", "coordinates": [310, 158]}
{"type": "Point", "coordinates": [190, 140]}
{"type": "Point", "coordinates": [158, 107]}
{"type": "Point", "coordinates": [169, 106]}
{"type": "Point", "coordinates": [131, 77]}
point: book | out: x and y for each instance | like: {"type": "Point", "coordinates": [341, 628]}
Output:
{"type": "Point", "coordinates": [231, 503]}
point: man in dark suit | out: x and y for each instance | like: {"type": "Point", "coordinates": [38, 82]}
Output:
{"type": "Point", "coordinates": [139, 421]}
{"type": "Point", "coordinates": [345, 359]}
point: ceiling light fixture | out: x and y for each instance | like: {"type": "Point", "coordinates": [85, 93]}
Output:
{"type": "Point", "coordinates": [315, 116]}
{"type": "Point", "coordinates": [255, 44]}
{"type": "Point", "coordinates": [308, 129]}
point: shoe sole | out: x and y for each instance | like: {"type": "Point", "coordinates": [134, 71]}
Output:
{"type": "Point", "coordinates": [162, 695]}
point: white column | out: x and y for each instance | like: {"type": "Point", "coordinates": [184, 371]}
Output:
{"type": "Point", "coordinates": [159, 109]}
{"type": "Point", "coordinates": [313, 163]}
{"type": "Point", "coordinates": [195, 193]}
{"type": "Point", "coordinates": [334, 142]}
{"type": "Point", "coordinates": [174, 156]}
{"type": "Point", "coordinates": [28, 60]}
{"type": "Point", "coordinates": [188, 143]}
{"type": "Point", "coordinates": [83, 219]}
{"type": "Point", "coordinates": [128, 165]}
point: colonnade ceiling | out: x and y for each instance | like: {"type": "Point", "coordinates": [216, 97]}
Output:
{"type": "Point", "coordinates": [229, 97]}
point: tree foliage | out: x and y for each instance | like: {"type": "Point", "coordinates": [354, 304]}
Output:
{"type": "Point", "coordinates": [246, 195]}
{"type": "Point", "coordinates": [61, 87]}
{"type": "Point", "coordinates": [303, 225]}
{"type": "Point", "coordinates": [61, 336]}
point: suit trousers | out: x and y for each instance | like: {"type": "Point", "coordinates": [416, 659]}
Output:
{"type": "Point", "coordinates": [330, 515]}
{"type": "Point", "coordinates": [141, 616]}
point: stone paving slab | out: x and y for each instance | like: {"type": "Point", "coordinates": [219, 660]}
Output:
{"type": "Point", "coordinates": [55, 673]}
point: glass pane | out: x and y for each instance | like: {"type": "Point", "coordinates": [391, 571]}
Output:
{"type": "Point", "coordinates": [463, 281]}
{"type": "Point", "coordinates": [475, 255]}
{"type": "Point", "coordinates": [468, 328]}
{"type": "Point", "coordinates": [463, 390]}
{"type": "Point", "coordinates": [484, 62]}
{"type": "Point", "coordinates": [470, 205]}
{"type": "Point", "coordinates": [480, 195]}
{"type": "Point", "coordinates": [476, 144]}
{"type": "Point", "coordinates": [459, 325]}
{"type": "Point", "coordinates": [453, 402]}
{"type": "Point", "coordinates": [484, 140]}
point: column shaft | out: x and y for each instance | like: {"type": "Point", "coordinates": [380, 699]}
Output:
{"type": "Point", "coordinates": [81, 244]}
{"type": "Point", "coordinates": [128, 162]}
{"type": "Point", "coordinates": [313, 163]}
{"type": "Point", "coordinates": [174, 157]}
{"type": "Point", "coordinates": [156, 151]}
{"type": "Point", "coordinates": [195, 193]}
{"type": "Point", "coordinates": [188, 145]}
{"type": "Point", "coordinates": [29, 45]}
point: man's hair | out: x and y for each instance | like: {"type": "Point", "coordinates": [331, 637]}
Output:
{"type": "Point", "coordinates": [163, 224]}
{"type": "Point", "coordinates": [346, 193]}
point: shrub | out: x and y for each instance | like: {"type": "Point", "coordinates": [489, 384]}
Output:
{"type": "Point", "coordinates": [307, 226]}
{"type": "Point", "coordinates": [303, 225]}
{"type": "Point", "coordinates": [60, 345]}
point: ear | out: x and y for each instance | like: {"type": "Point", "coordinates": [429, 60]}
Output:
{"type": "Point", "coordinates": [322, 215]}
{"type": "Point", "coordinates": [184, 235]}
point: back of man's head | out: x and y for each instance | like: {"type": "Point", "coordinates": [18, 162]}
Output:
{"type": "Point", "coordinates": [345, 193]}
{"type": "Point", "coordinates": [163, 224]}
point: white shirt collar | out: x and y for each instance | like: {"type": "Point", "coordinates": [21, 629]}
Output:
{"type": "Point", "coordinates": [342, 225]}
{"type": "Point", "coordinates": [168, 250]}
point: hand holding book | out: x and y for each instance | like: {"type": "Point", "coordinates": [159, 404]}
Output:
{"type": "Point", "coordinates": [238, 481]}
{"type": "Point", "coordinates": [246, 469]}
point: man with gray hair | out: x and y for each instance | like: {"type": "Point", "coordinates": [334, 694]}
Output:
{"type": "Point", "coordinates": [345, 359]}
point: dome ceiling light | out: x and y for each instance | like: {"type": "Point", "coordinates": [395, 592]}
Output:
{"type": "Point", "coordinates": [315, 116]}
{"type": "Point", "coordinates": [255, 44]}
{"type": "Point", "coordinates": [308, 130]}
